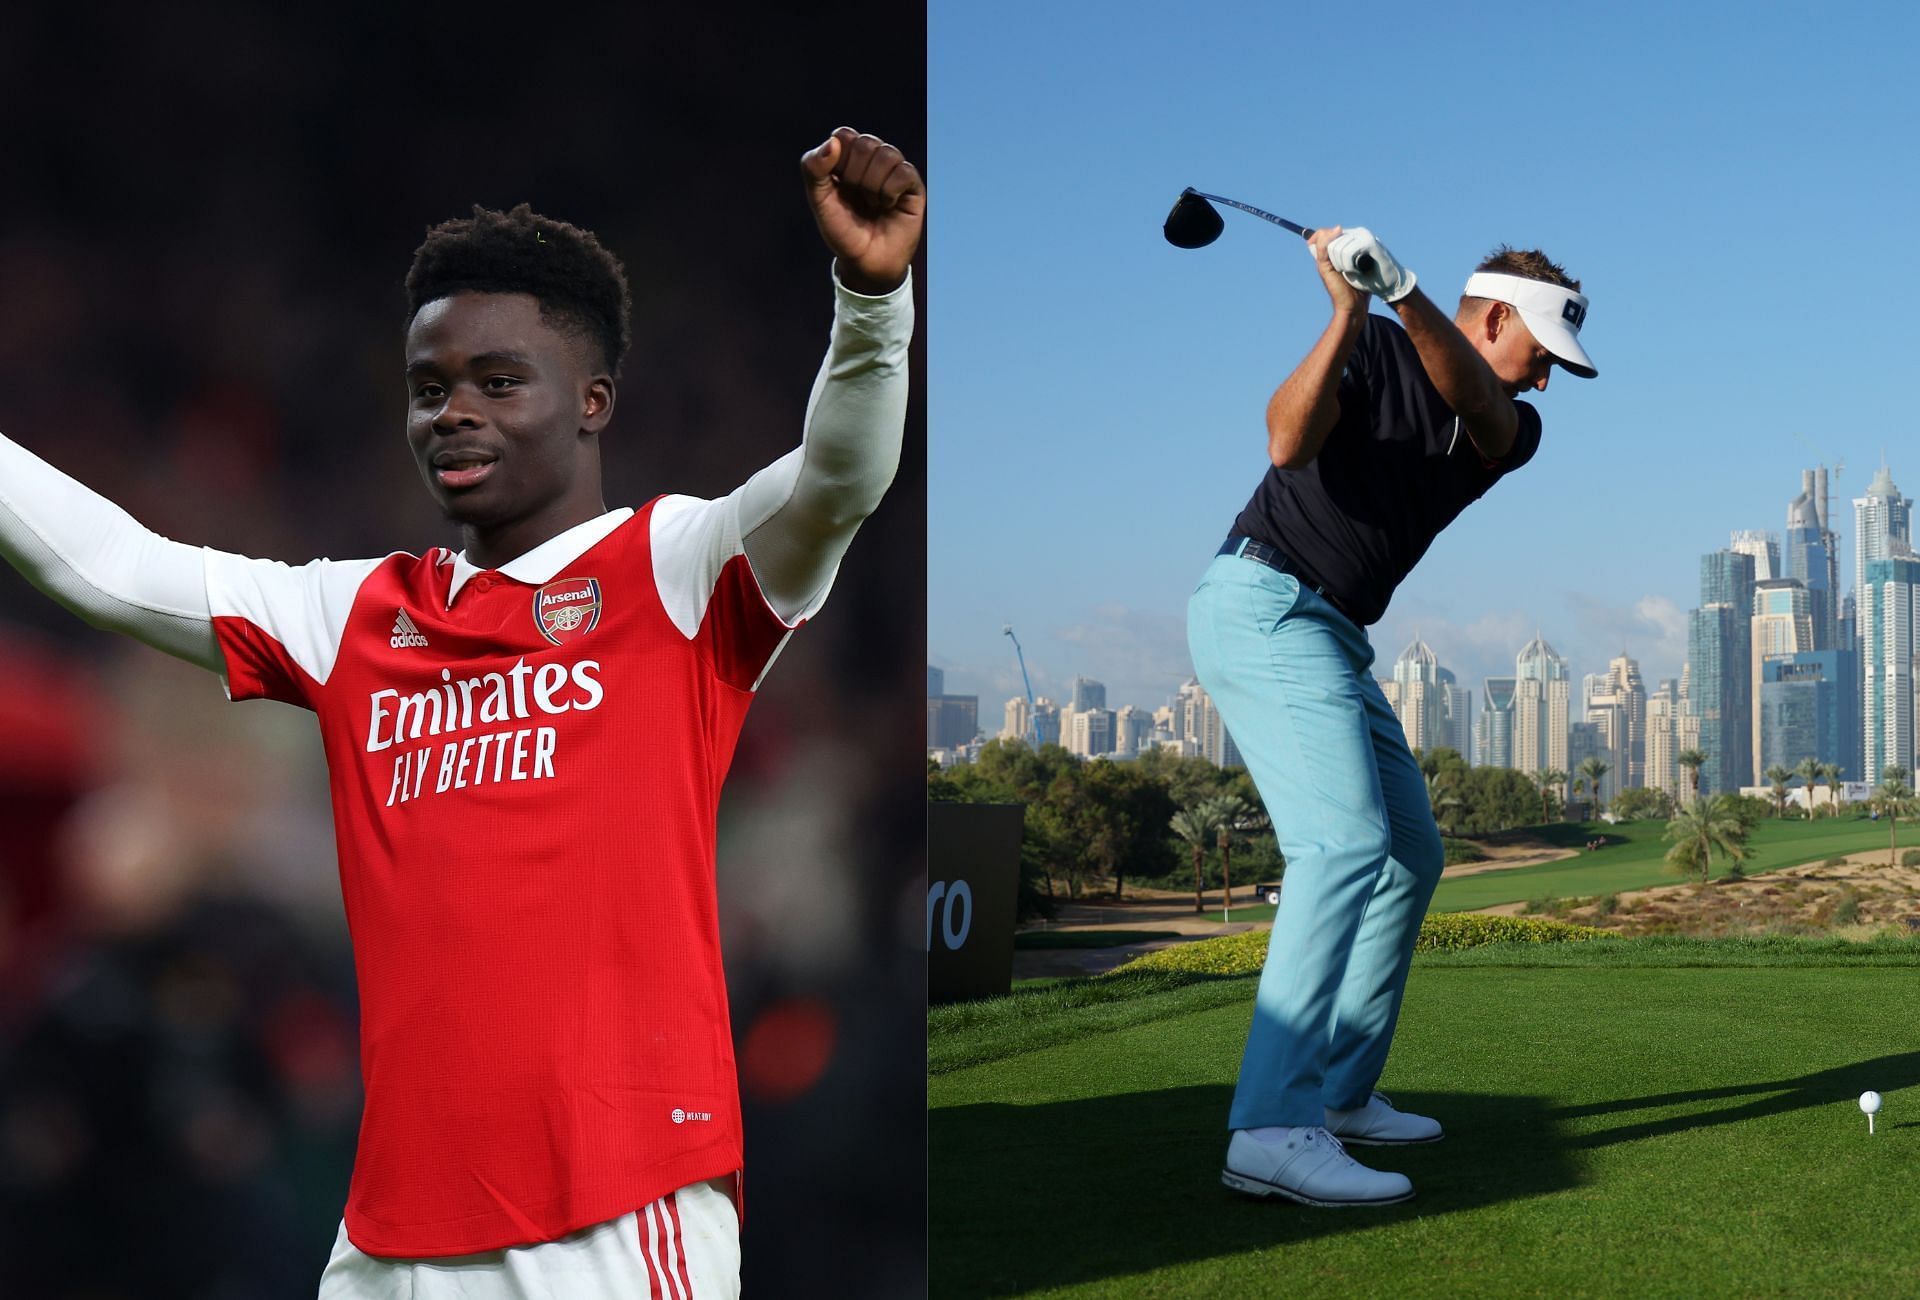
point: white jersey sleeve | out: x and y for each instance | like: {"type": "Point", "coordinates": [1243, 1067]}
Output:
{"type": "Point", "coordinates": [95, 559]}
{"type": "Point", "coordinates": [279, 626]}
{"type": "Point", "coordinates": [709, 590]}
{"type": "Point", "coordinates": [797, 516]}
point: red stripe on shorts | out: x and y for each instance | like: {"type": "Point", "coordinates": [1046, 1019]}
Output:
{"type": "Point", "coordinates": [679, 1242]}
{"type": "Point", "coordinates": [655, 1283]}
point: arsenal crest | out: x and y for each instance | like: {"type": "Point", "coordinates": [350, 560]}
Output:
{"type": "Point", "coordinates": [566, 611]}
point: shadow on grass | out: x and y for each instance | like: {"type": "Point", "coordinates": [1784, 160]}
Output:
{"type": "Point", "coordinates": [1026, 1197]}
{"type": "Point", "coordinates": [1822, 1088]}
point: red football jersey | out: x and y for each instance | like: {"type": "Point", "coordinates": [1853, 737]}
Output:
{"type": "Point", "coordinates": [525, 767]}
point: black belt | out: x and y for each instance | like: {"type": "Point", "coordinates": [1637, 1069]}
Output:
{"type": "Point", "coordinates": [1274, 558]}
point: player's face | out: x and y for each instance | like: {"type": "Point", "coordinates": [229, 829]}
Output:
{"type": "Point", "coordinates": [503, 409]}
{"type": "Point", "coordinates": [1515, 357]}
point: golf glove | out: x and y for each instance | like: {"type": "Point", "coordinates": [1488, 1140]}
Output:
{"type": "Point", "coordinates": [1390, 281]}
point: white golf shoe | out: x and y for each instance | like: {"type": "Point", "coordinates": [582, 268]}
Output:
{"type": "Point", "coordinates": [1307, 1165]}
{"type": "Point", "coordinates": [1378, 1124]}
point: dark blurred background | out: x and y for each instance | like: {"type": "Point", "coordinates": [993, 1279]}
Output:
{"type": "Point", "coordinates": [205, 216]}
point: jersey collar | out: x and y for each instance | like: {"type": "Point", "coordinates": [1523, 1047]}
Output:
{"type": "Point", "coordinates": [544, 561]}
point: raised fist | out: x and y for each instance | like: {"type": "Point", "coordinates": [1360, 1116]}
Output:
{"type": "Point", "coordinates": [870, 205]}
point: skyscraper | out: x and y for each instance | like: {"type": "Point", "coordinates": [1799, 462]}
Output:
{"type": "Point", "coordinates": [1616, 703]}
{"type": "Point", "coordinates": [1882, 525]}
{"type": "Point", "coordinates": [1782, 626]}
{"type": "Point", "coordinates": [1201, 726]}
{"type": "Point", "coordinates": [1418, 700]}
{"type": "Point", "coordinates": [1813, 556]}
{"type": "Point", "coordinates": [1803, 704]}
{"type": "Point", "coordinates": [1017, 720]}
{"type": "Point", "coordinates": [1456, 707]}
{"type": "Point", "coordinates": [1088, 694]}
{"type": "Point", "coordinates": [1764, 547]}
{"type": "Point", "coordinates": [1718, 659]}
{"type": "Point", "coordinates": [1540, 708]}
{"type": "Point", "coordinates": [1686, 737]}
{"type": "Point", "coordinates": [1889, 620]}
{"type": "Point", "coordinates": [1663, 733]}
{"type": "Point", "coordinates": [1496, 724]}
{"type": "Point", "coordinates": [1132, 731]}
{"type": "Point", "coordinates": [1605, 720]}
{"type": "Point", "coordinates": [1090, 733]}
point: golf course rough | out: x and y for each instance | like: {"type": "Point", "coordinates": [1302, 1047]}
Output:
{"type": "Point", "coordinates": [1245, 953]}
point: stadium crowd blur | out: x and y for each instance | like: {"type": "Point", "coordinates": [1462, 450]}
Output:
{"type": "Point", "coordinates": [208, 214]}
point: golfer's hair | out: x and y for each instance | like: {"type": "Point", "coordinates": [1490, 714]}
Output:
{"type": "Point", "coordinates": [1529, 263]}
{"type": "Point", "coordinates": [581, 287]}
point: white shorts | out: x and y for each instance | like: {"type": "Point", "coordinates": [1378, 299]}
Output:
{"type": "Point", "coordinates": [684, 1246]}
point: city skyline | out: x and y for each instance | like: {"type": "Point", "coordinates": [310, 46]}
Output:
{"type": "Point", "coordinates": [1472, 659]}
{"type": "Point", "coordinates": [1783, 668]}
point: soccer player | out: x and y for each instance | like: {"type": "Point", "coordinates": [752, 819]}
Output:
{"type": "Point", "coordinates": [526, 742]}
{"type": "Point", "coordinates": [1379, 438]}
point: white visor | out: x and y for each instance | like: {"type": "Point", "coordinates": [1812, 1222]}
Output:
{"type": "Point", "coordinates": [1554, 314]}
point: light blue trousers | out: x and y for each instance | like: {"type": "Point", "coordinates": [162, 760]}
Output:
{"type": "Point", "coordinates": [1289, 674]}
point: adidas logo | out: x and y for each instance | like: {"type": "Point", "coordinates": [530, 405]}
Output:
{"type": "Point", "coordinates": [405, 634]}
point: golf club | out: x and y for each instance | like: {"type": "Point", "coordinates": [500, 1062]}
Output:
{"type": "Point", "coordinates": [1193, 222]}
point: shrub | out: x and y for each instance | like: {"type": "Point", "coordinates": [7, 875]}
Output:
{"type": "Point", "coordinates": [1911, 858]}
{"type": "Point", "coordinates": [1458, 851]}
{"type": "Point", "coordinates": [1608, 904]}
{"type": "Point", "coordinates": [1233, 954]}
{"type": "Point", "coordinates": [1847, 910]}
{"type": "Point", "coordinates": [1246, 952]}
{"type": "Point", "coordinates": [1535, 906]}
{"type": "Point", "coordinates": [1454, 931]}
{"type": "Point", "coordinates": [1834, 862]}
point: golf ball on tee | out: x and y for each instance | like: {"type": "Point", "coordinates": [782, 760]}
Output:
{"type": "Point", "coordinates": [1870, 1102]}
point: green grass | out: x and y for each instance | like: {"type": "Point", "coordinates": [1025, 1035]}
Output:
{"type": "Point", "coordinates": [1049, 939]}
{"type": "Point", "coordinates": [1637, 863]}
{"type": "Point", "coordinates": [1653, 1117]}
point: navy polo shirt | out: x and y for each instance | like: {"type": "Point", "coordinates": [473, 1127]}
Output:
{"type": "Point", "coordinates": [1391, 474]}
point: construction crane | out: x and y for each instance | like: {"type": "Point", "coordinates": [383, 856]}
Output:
{"type": "Point", "coordinates": [1033, 712]}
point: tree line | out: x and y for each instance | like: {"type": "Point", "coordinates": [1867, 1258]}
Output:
{"type": "Point", "coordinates": [1099, 823]}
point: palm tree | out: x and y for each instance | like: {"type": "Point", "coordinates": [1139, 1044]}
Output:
{"type": "Point", "coordinates": [1593, 767]}
{"type": "Point", "coordinates": [1895, 800]}
{"type": "Point", "coordinates": [1443, 801]}
{"type": "Point", "coordinates": [1697, 831]}
{"type": "Point", "coordinates": [1196, 826]}
{"type": "Point", "coordinates": [1832, 772]}
{"type": "Point", "coordinates": [1548, 780]}
{"type": "Point", "coordinates": [1692, 760]}
{"type": "Point", "coordinates": [1230, 813]}
{"type": "Point", "coordinates": [1779, 776]}
{"type": "Point", "coordinates": [1809, 772]}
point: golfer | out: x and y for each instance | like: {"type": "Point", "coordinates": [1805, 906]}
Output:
{"type": "Point", "coordinates": [1379, 438]}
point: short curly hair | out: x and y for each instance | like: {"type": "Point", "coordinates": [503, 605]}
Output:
{"type": "Point", "coordinates": [581, 287]}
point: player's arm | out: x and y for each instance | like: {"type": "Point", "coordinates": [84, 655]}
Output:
{"type": "Point", "coordinates": [99, 562]}
{"type": "Point", "coordinates": [1462, 375]}
{"type": "Point", "coordinates": [798, 515]}
{"type": "Point", "coordinates": [1306, 406]}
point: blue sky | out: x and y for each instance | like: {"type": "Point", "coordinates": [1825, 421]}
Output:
{"type": "Point", "coordinates": [1735, 185]}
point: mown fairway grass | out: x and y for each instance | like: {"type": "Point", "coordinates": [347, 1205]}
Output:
{"type": "Point", "coordinates": [1650, 1117]}
{"type": "Point", "coordinates": [1638, 864]}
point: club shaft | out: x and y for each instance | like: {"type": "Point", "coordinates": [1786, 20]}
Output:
{"type": "Point", "coordinates": [1302, 231]}
{"type": "Point", "coordinates": [1305, 232]}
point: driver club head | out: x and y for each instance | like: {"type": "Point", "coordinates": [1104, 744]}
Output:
{"type": "Point", "coordinates": [1193, 222]}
